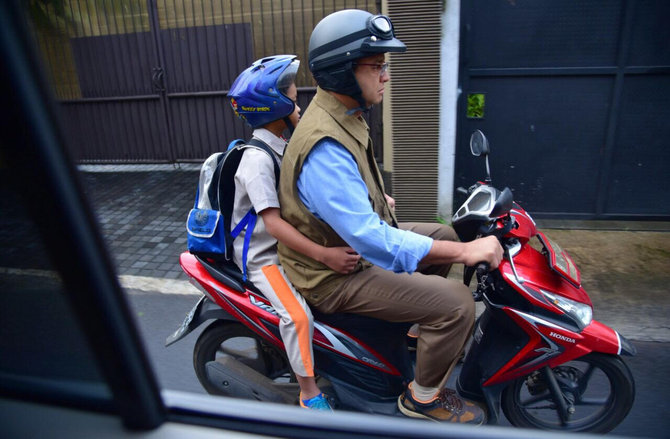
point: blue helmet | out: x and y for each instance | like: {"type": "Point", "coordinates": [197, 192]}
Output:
{"type": "Point", "coordinates": [258, 95]}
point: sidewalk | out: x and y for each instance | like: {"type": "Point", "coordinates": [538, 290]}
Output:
{"type": "Point", "coordinates": [142, 212]}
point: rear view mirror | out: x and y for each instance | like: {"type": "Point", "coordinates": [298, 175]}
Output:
{"type": "Point", "coordinates": [479, 144]}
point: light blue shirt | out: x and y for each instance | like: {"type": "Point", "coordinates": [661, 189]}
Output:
{"type": "Point", "coordinates": [332, 188]}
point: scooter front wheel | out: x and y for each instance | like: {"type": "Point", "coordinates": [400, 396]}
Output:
{"type": "Point", "coordinates": [225, 338]}
{"type": "Point", "coordinates": [597, 391]}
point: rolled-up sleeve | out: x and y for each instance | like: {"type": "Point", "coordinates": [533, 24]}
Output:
{"type": "Point", "coordinates": [332, 188]}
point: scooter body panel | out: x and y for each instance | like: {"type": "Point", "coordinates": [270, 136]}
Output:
{"type": "Point", "coordinates": [526, 228]}
{"type": "Point", "coordinates": [342, 342]}
{"type": "Point", "coordinates": [534, 271]}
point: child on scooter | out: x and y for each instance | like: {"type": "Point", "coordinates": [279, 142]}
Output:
{"type": "Point", "coordinates": [264, 95]}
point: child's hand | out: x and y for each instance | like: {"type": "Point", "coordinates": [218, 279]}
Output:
{"type": "Point", "coordinates": [341, 259]}
{"type": "Point", "coordinates": [391, 202]}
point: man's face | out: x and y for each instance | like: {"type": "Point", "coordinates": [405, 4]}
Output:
{"type": "Point", "coordinates": [368, 72]}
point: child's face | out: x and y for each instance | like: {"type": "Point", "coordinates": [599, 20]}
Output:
{"type": "Point", "coordinates": [292, 94]}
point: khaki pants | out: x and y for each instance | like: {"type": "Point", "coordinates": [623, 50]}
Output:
{"type": "Point", "coordinates": [443, 308]}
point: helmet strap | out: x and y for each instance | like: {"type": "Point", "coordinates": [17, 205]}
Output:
{"type": "Point", "coordinates": [342, 80]}
{"type": "Point", "coordinates": [363, 105]}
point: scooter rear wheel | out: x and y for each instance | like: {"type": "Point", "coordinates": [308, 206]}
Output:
{"type": "Point", "coordinates": [600, 389]}
{"type": "Point", "coordinates": [223, 338]}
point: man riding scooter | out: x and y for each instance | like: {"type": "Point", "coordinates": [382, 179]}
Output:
{"type": "Point", "coordinates": [331, 190]}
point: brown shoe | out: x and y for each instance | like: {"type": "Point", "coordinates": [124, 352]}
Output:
{"type": "Point", "coordinates": [447, 406]}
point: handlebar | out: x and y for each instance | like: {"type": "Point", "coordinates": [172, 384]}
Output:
{"type": "Point", "coordinates": [483, 268]}
{"type": "Point", "coordinates": [491, 230]}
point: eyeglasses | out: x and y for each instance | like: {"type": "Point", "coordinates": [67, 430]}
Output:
{"type": "Point", "coordinates": [380, 68]}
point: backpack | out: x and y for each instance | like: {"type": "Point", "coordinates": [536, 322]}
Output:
{"type": "Point", "coordinates": [209, 222]}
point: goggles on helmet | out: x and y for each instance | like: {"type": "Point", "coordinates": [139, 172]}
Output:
{"type": "Point", "coordinates": [380, 26]}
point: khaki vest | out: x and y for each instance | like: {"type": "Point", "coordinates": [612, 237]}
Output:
{"type": "Point", "coordinates": [325, 117]}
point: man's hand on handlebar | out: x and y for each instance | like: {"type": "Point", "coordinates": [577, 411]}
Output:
{"type": "Point", "coordinates": [471, 253]}
{"type": "Point", "coordinates": [486, 250]}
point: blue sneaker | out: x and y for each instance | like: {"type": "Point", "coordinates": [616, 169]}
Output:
{"type": "Point", "coordinates": [319, 402]}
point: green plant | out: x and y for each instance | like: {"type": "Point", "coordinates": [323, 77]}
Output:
{"type": "Point", "coordinates": [476, 102]}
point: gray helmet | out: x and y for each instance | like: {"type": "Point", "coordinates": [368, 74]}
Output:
{"type": "Point", "coordinates": [341, 38]}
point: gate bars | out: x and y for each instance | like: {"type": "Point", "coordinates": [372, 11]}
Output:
{"type": "Point", "coordinates": [146, 80]}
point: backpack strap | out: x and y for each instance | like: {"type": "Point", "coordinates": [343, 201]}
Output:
{"type": "Point", "coordinates": [234, 143]}
{"type": "Point", "coordinates": [247, 222]}
{"type": "Point", "coordinates": [226, 196]}
{"type": "Point", "coordinates": [262, 145]}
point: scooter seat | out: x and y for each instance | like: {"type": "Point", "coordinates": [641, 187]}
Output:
{"type": "Point", "coordinates": [227, 273]}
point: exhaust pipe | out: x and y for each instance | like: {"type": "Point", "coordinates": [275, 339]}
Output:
{"type": "Point", "coordinates": [233, 378]}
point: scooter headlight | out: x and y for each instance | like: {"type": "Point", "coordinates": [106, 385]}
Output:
{"type": "Point", "coordinates": [580, 312]}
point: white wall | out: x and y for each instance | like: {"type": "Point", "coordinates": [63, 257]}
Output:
{"type": "Point", "coordinates": [449, 93]}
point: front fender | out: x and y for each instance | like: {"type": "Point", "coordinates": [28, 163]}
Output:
{"type": "Point", "coordinates": [204, 310]}
{"type": "Point", "coordinates": [602, 338]}
{"type": "Point", "coordinates": [627, 348]}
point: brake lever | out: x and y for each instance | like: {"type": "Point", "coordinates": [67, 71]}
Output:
{"type": "Point", "coordinates": [491, 229]}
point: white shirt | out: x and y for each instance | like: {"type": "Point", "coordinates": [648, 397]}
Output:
{"type": "Point", "coordinates": [255, 186]}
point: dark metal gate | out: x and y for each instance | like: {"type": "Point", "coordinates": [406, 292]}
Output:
{"type": "Point", "coordinates": [146, 80]}
{"type": "Point", "coordinates": [575, 99]}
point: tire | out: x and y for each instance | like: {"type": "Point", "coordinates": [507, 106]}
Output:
{"type": "Point", "coordinates": [234, 339]}
{"type": "Point", "coordinates": [601, 386]}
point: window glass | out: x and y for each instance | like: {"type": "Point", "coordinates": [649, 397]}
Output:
{"type": "Point", "coordinates": [39, 337]}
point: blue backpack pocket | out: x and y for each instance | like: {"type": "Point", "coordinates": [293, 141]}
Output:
{"type": "Point", "coordinates": [206, 233]}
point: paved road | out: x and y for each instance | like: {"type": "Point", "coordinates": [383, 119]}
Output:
{"type": "Point", "coordinates": [158, 315]}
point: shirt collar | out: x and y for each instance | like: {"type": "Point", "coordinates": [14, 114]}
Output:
{"type": "Point", "coordinates": [354, 124]}
{"type": "Point", "coordinates": [276, 143]}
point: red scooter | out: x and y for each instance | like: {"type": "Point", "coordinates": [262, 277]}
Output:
{"type": "Point", "coordinates": [535, 352]}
